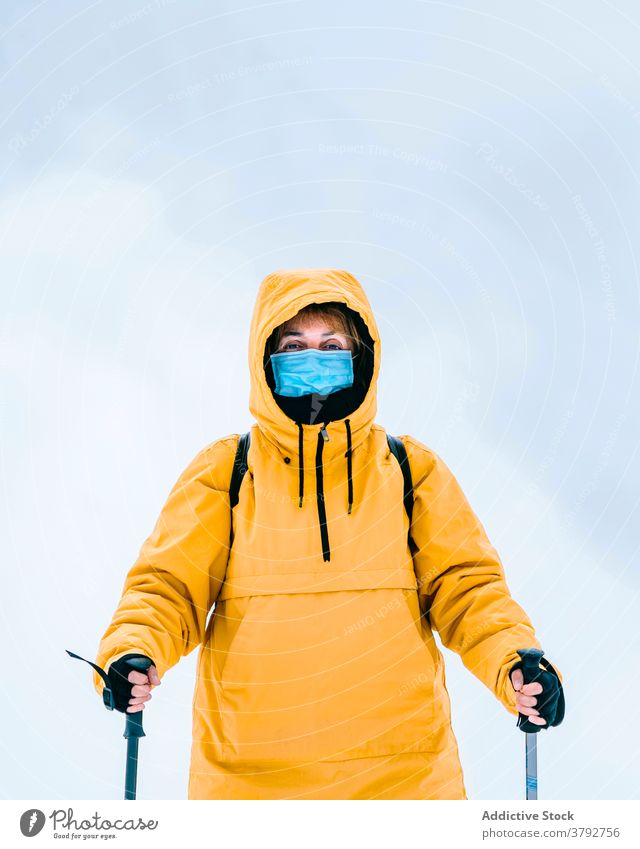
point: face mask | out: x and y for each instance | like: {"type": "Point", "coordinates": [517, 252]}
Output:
{"type": "Point", "coordinates": [301, 372]}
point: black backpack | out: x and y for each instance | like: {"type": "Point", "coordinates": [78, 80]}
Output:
{"type": "Point", "coordinates": [395, 444]}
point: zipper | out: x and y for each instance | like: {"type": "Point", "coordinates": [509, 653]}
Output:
{"type": "Point", "coordinates": [323, 437]}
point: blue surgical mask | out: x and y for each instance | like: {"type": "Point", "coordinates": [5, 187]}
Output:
{"type": "Point", "coordinates": [312, 370]}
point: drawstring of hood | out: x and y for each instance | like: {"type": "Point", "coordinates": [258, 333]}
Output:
{"type": "Point", "coordinates": [300, 464]}
{"type": "Point", "coordinates": [348, 453]}
{"type": "Point", "coordinates": [323, 437]}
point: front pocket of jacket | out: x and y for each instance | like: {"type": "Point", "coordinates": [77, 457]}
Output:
{"type": "Point", "coordinates": [232, 618]}
{"type": "Point", "coordinates": [327, 676]}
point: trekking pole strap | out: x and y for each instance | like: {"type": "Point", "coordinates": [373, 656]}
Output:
{"type": "Point", "coordinates": [107, 695]}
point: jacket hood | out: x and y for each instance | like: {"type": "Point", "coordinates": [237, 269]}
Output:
{"type": "Point", "coordinates": [281, 295]}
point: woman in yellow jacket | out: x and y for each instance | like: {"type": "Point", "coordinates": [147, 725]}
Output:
{"type": "Point", "coordinates": [318, 675]}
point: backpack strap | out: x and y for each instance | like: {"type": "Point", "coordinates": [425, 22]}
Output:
{"type": "Point", "coordinates": [239, 467]}
{"type": "Point", "coordinates": [238, 472]}
{"type": "Point", "coordinates": [400, 453]}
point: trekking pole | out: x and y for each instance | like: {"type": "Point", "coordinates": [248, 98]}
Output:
{"type": "Point", "coordinates": [133, 727]}
{"type": "Point", "coordinates": [132, 733]}
{"type": "Point", "coordinates": [531, 766]}
{"type": "Point", "coordinates": [530, 673]}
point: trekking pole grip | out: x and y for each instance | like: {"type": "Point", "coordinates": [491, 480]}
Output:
{"type": "Point", "coordinates": [530, 664]}
{"type": "Point", "coordinates": [133, 727]}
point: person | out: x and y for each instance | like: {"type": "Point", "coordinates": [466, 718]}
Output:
{"type": "Point", "coordinates": [315, 599]}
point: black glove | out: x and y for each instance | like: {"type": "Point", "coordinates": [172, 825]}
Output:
{"type": "Point", "coordinates": [550, 702]}
{"type": "Point", "coordinates": [120, 686]}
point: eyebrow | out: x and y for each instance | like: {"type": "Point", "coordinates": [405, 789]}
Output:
{"type": "Point", "coordinates": [300, 332]}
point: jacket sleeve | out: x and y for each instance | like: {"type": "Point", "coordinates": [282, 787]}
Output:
{"type": "Point", "coordinates": [461, 580]}
{"type": "Point", "coordinates": [177, 576]}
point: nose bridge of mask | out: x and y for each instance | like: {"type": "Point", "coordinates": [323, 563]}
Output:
{"type": "Point", "coordinates": [301, 372]}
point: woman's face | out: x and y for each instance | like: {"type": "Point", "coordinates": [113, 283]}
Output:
{"type": "Point", "coordinates": [313, 333]}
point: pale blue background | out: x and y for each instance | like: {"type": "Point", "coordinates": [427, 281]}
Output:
{"type": "Point", "coordinates": [476, 167]}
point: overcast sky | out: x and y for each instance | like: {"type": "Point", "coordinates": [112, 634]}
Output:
{"type": "Point", "coordinates": [476, 166]}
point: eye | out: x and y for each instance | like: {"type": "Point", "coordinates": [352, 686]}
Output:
{"type": "Point", "coordinates": [333, 346]}
{"type": "Point", "coordinates": [290, 346]}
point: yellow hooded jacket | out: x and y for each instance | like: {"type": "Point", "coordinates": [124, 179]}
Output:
{"type": "Point", "coordinates": [318, 674]}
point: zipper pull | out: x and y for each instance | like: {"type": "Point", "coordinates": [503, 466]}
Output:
{"type": "Point", "coordinates": [323, 431]}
